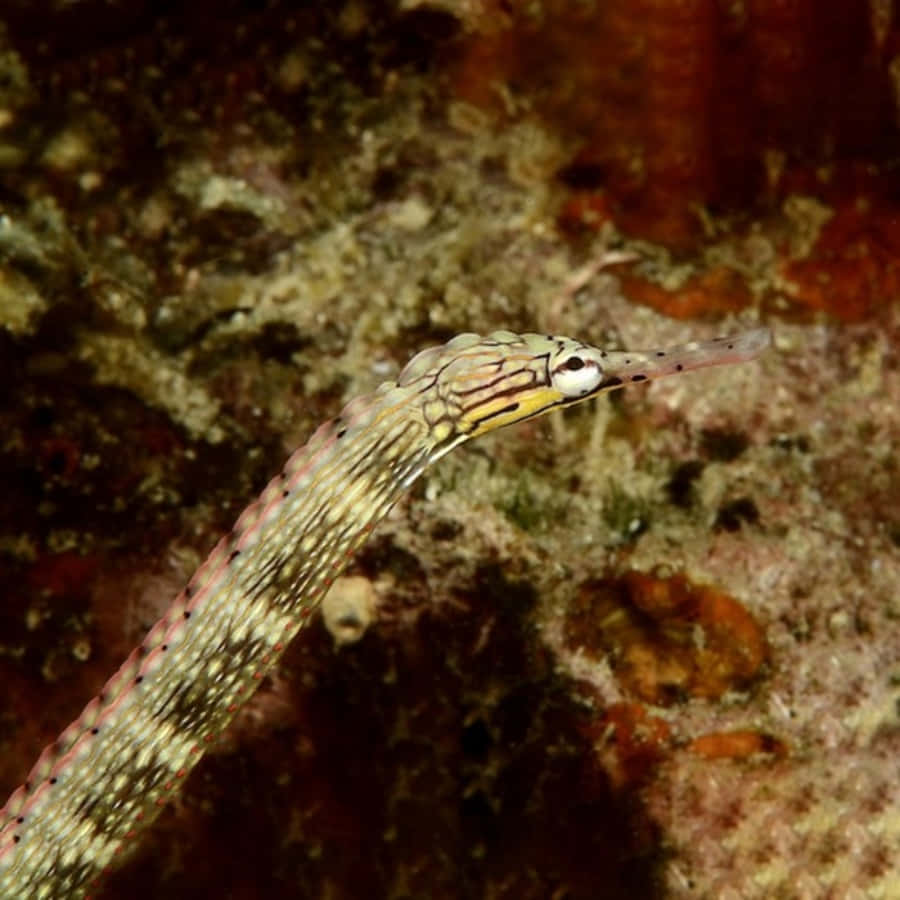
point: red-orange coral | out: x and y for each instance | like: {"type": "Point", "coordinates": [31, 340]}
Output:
{"type": "Point", "coordinates": [630, 741]}
{"type": "Point", "coordinates": [717, 290]}
{"type": "Point", "coordinates": [736, 745]}
{"type": "Point", "coordinates": [854, 266]}
{"type": "Point", "coordinates": [674, 105]}
{"type": "Point", "coordinates": [667, 638]}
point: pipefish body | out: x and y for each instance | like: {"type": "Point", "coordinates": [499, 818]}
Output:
{"type": "Point", "coordinates": [98, 787]}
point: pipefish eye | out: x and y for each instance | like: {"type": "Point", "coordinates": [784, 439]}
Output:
{"type": "Point", "coordinates": [576, 375]}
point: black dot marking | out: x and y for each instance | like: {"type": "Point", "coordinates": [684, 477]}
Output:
{"type": "Point", "coordinates": [164, 647]}
{"type": "Point", "coordinates": [574, 363]}
{"type": "Point", "coordinates": [284, 495]}
{"type": "Point", "coordinates": [603, 354]}
{"type": "Point", "coordinates": [731, 346]}
{"type": "Point", "coordinates": [679, 367]}
{"type": "Point", "coordinates": [660, 352]}
{"type": "Point", "coordinates": [189, 592]}
{"type": "Point", "coordinates": [20, 820]}
{"type": "Point", "coordinates": [16, 839]}
{"type": "Point", "coordinates": [139, 679]}
{"type": "Point", "coordinates": [95, 731]}
{"type": "Point", "coordinates": [282, 475]}
{"type": "Point", "coordinates": [233, 555]}
{"type": "Point", "coordinates": [187, 613]}
{"type": "Point", "coordinates": [342, 432]}
{"type": "Point", "coordinates": [53, 780]}
{"type": "Point", "coordinates": [638, 377]}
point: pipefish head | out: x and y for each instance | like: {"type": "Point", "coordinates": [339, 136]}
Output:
{"type": "Point", "coordinates": [479, 384]}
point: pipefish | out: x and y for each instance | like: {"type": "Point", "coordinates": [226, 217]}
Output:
{"type": "Point", "coordinates": [99, 786]}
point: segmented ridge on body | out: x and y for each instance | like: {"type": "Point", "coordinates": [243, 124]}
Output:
{"type": "Point", "coordinates": [152, 721]}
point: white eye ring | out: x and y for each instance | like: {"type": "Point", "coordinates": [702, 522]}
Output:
{"type": "Point", "coordinates": [576, 376]}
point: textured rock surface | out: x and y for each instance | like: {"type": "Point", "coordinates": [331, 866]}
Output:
{"type": "Point", "coordinates": [216, 228]}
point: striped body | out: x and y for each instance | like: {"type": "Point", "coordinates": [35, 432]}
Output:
{"type": "Point", "coordinates": [95, 789]}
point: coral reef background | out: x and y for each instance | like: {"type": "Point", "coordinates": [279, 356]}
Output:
{"type": "Point", "coordinates": [648, 649]}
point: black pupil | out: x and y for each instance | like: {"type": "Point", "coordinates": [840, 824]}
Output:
{"type": "Point", "coordinates": [574, 363]}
